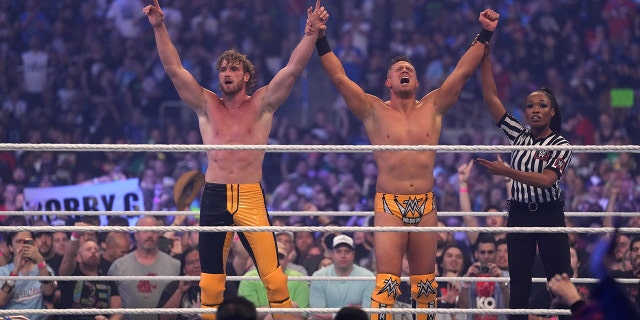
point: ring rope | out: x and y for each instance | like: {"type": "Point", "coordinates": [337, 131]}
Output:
{"type": "Point", "coordinates": [292, 278]}
{"type": "Point", "coordinates": [317, 229]}
{"type": "Point", "coordinates": [304, 148]}
{"type": "Point", "coordinates": [305, 213]}
{"type": "Point", "coordinates": [281, 310]}
{"type": "Point", "coordinates": [313, 148]}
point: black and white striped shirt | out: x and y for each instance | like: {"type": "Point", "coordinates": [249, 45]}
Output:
{"type": "Point", "coordinates": [534, 160]}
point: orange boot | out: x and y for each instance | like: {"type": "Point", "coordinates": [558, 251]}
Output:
{"type": "Point", "coordinates": [424, 294]}
{"type": "Point", "coordinates": [211, 292]}
{"type": "Point", "coordinates": [384, 295]}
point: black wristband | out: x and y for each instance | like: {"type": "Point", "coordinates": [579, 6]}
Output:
{"type": "Point", "coordinates": [576, 305]}
{"type": "Point", "coordinates": [323, 46]}
{"type": "Point", "coordinates": [484, 36]}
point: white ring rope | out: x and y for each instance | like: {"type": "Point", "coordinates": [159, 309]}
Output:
{"type": "Point", "coordinates": [304, 148]}
{"type": "Point", "coordinates": [300, 148]}
{"type": "Point", "coordinates": [293, 278]}
{"type": "Point", "coordinates": [316, 229]}
{"type": "Point", "coordinates": [303, 213]}
{"type": "Point", "coordinates": [282, 310]}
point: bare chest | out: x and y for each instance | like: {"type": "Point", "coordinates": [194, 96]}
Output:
{"type": "Point", "coordinates": [237, 126]}
{"type": "Point", "coordinates": [413, 128]}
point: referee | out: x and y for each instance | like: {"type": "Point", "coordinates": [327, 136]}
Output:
{"type": "Point", "coordinates": [536, 193]}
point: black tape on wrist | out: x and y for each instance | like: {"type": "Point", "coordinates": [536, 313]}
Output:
{"type": "Point", "coordinates": [323, 46]}
{"type": "Point", "coordinates": [577, 305]}
{"type": "Point", "coordinates": [484, 36]}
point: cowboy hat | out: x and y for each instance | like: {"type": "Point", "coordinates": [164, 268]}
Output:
{"type": "Point", "coordinates": [187, 188]}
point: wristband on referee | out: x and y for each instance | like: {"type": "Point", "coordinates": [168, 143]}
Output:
{"type": "Point", "coordinates": [323, 46]}
{"type": "Point", "coordinates": [74, 236]}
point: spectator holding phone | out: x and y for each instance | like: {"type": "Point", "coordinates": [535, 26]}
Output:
{"type": "Point", "coordinates": [27, 261]}
{"type": "Point", "coordinates": [484, 295]}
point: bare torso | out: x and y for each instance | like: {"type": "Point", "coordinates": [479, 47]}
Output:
{"type": "Point", "coordinates": [404, 172]}
{"type": "Point", "coordinates": [244, 124]}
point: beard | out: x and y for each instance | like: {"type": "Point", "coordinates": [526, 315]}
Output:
{"type": "Point", "coordinates": [232, 89]}
{"type": "Point", "coordinates": [91, 261]}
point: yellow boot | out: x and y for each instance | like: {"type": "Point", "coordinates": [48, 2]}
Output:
{"type": "Point", "coordinates": [211, 292]}
{"type": "Point", "coordinates": [384, 295]}
{"type": "Point", "coordinates": [424, 291]}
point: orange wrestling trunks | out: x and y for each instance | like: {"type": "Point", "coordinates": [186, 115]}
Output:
{"type": "Point", "coordinates": [408, 208]}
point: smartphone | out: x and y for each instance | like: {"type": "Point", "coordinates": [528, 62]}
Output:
{"type": "Point", "coordinates": [28, 241]}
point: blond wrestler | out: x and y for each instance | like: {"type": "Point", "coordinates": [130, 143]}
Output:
{"type": "Point", "coordinates": [232, 194]}
{"type": "Point", "coordinates": [405, 179]}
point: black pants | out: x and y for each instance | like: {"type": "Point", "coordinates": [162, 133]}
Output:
{"type": "Point", "coordinates": [553, 248]}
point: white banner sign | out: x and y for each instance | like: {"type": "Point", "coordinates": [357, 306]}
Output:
{"type": "Point", "coordinates": [123, 195]}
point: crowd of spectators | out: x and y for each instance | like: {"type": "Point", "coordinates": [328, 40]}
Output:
{"type": "Point", "coordinates": [87, 71]}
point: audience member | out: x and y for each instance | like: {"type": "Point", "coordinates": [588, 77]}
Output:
{"type": "Point", "coordinates": [452, 263]}
{"type": "Point", "coordinates": [484, 295]}
{"type": "Point", "coordinates": [308, 254]}
{"type": "Point", "coordinates": [27, 261]}
{"type": "Point", "coordinates": [44, 242]}
{"type": "Point", "coordinates": [502, 255]}
{"type": "Point", "coordinates": [60, 240]}
{"type": "Point", "coordinates": [117, 245]}
{"type": "Point", "coordinates": [237, 308]}
{"type": "Point", "coordinates": [286, 239]}
{"type": "Point", "coordinates": [337, 294]}
{"type": "Point", "coordinates": [87, 294]}
{"type": "Point", "coordinates": [351, 313]}
{"type": "Point", "coordinates": [183, 293]}
{"type": "Point", "coordinates": [145, 260]}
{"type": "Point", "coordinates": [255, 291]}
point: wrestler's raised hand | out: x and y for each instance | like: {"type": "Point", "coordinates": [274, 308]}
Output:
{"type": "Point", "coordinates": [489, 19]}
{"type": "Point", "coordinates": [316, 20]}
{"type": "Point", "coordinates": [154, 13]}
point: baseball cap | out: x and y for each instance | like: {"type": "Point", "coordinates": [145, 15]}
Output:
{"type": "Point", "coordinates": [281, 249]}
{"type": "Point", "coordinates": [288, 233]}
{"type": "Point", "coordinates": [341, 240]}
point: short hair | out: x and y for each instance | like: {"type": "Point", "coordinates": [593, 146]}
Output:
{"type": "Point", "coordinates": [38, 234]}
{"type": "Point", "coordinates": [351, 313]}
{"type": "Point", "coordinates": [633, 240]}
{"type": "Point", "coordinates": [484, 238]}
{"type": "Point", "coordinates": [237, 308]}
{"type": "Point", "coordinates": [397, 59]}
{"type": "Point", "coordinates": [231, 57]}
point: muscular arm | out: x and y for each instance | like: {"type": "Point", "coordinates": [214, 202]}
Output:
{"type": "Point", "coordinates": [355, 98]}
{"type": "Point", "coordinates": [277, 91]}
{"type": "Point", "coordinates": [450, 89]}
{"type": "Point", "coordinates": [188, 88]}
{"type": "Point", "coordinates": [489, 92]}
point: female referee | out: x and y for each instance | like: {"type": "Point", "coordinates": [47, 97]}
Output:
{"type": "Point", "coordinates": [536, 199]}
